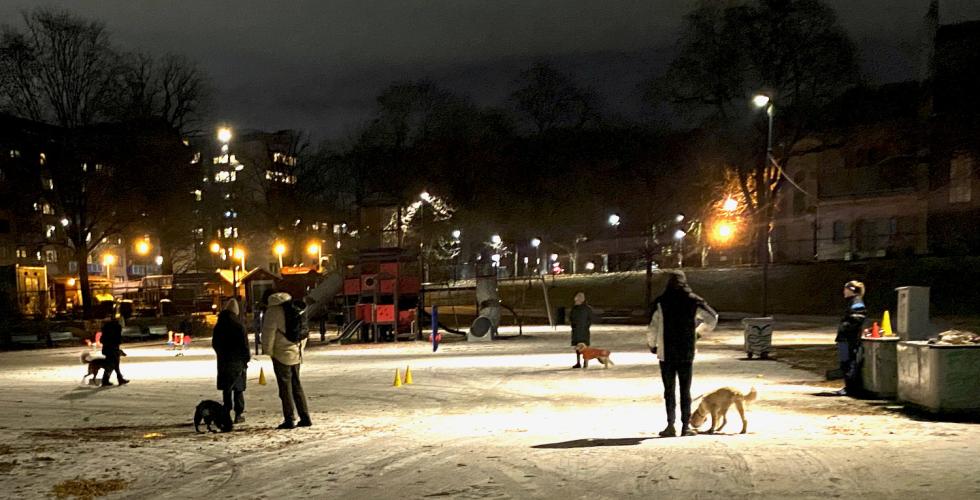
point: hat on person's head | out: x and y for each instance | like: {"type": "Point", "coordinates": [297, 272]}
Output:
{"type": "Point", "coordinates": [232, 307]}
{"type": "Point", "coordinates": [855, 286]}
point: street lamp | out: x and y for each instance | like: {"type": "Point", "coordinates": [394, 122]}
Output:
{"type": "Point", "coordinates": [495, 239]}
{"type": "Point", "coordinates": [108, 260]}
{"type": "Point", "coordinates": [730, 205]}
{"type": "Point", "coordinates": [224, 135]}
{"type": "Point", "coordinates": [280, 249]}
{"type": "Point", "coordinates": [536, 243]}
{"type": "Point", "coordinates": [215, 247]}
{"type": "Point", "coordinates": [614, 220]}
{"type": "Point", "coordinates": [143, 247]}
{"type": "Point", "coordinates": [456, 234]}
{"type": "Point", "coordinates": [765, 101]}
{"type": "Point", "coordinates": [315, 248]}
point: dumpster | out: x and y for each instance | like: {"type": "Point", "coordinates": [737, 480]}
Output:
{"type": "Point", "coordinates": [879, 372]}
{"type": "Point", "coordinates": [939, 378]}
{"type": "Point", "coordinates": [758, 336]}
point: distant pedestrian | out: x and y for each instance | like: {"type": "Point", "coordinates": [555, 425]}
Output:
{"type": "Point", "coordinates": [285, 346]}
{"type": "Point", "coordinates": [230, 344]}
{"type": "Point", "coordinates": [673, 337]}
{"type": "Point", "coordinates": [581, 320]}
{"type": "Point", "coordinates": [849, 338]}
{"type": "Point", "coordinates": [111, 349]}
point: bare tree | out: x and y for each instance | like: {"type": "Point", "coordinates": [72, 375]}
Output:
{"type": "Point", "coordinates": [60, 69]}
{"type": "Point", "coordinates": [551, 99]}
{"type": "Point", "coordinates": [170, 88]}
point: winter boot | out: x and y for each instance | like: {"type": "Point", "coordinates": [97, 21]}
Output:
{"type": "Point", "coordinates": [669, 432]}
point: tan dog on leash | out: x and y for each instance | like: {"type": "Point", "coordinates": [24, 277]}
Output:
{"type": "Point", "coordinates": [592, 353]}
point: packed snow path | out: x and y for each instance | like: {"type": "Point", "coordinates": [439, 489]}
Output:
{"type": "Point", "coordinates": [507, 419]}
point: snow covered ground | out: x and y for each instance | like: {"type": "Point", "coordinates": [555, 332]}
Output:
{"type": "Point", "coordinates": [506, 419]}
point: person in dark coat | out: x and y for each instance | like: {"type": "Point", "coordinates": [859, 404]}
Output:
{"type": "Point", "coordinates": [849, 338]}
{"type": "Point", "coordinates": [111, 349]}
{"type": "Point", "coordinates": [581, 321]}
{"type": "Point", "coordinates": [679, 307]}
{"type": "Point", "coordinates": [230, 344]}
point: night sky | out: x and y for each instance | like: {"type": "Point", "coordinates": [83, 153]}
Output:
{"type": "Point", "coordinates": [317, 65]}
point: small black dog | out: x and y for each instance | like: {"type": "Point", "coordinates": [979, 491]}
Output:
{"type": "Point", "coordinates": [209, 411]}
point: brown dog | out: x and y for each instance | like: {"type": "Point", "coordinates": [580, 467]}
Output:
{"type": "Point", "coordinates": [592, 353]}
{"type": "Point", "coordinates": [717, 404]}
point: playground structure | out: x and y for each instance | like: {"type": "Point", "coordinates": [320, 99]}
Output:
{"type": "Point", "coordinates": [381, 295]}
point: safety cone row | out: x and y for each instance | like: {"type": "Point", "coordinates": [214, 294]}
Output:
{"type": "Point", "coordinates": [398, 379]}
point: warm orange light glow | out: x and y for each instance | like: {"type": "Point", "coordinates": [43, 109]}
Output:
{"type": "Point", "coordinates": [215, 247]}
{"type": "Point", "coordinates": [280, 249]}
{"type": "Point", "coordinates": [239, 253]}
{"type": "Point", "coordinates": [71, 281]}
{"type": "Point", "coordinates": [313, 248]}
{"type": "Point", "coordinates": [108, 259]}
{"type": "Point", "coordinates": [724, 232]}
{"type": "Point", "coordinates": [730, 205]}
{"type": "Point", "coordinates": [143, 247]}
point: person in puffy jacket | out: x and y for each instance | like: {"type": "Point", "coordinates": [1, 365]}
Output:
{"type": "Point", "coordinates": [849, 338]}
{"type": "Point", "coordinates": [673, 335]}
{"type": "Point", "coordinates": [581, 319]}
{"type": "Point", "coordinates": [287, 357]}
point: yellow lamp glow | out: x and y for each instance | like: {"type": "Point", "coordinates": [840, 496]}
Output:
{"type": "Point", "coordinates": [280, 249]}
{"type": "Point", "coordinates": [108, 259]}
{"type": "Point", "coordinates": [143, 247]}
{"type": "Point", "coordinates": [313, 248]}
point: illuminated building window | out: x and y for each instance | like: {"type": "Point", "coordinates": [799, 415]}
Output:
{"type": "Point", "coordinates": [961, 179]}
{"type": "Point", "coordinates": [47, 209]}
{"type": "Point", "coordinates": [50, 256]}
{"type": "Point", "coordinates": [197, 194]}
{"type": "Point", "coordinates": [42, 159]}
{"type": "Point", "coordinates": [84, 167]}
{"type": "Point", "coordinates": [21, 253]}
{"type": "Point", "coordinates": [224, 176]}
{"type": "Point", "coordinates": [47, 183]}
{"type": "Point", "coordinates": [196, 158]}
{"type": "Point", "coordinates": [99, 167]}
{"type": "Point", "coordinates": [15, 153]}
{"type": "Point", "coordinates": [283, 158]}
{"type": "Point", "coordinates": [282, 177]}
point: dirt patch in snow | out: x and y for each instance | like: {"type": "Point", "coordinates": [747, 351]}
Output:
{"type": "Point", "coordinates": [87, 489]}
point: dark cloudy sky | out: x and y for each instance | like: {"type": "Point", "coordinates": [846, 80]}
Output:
{"type": "Point", "coordinates": [318, 64]}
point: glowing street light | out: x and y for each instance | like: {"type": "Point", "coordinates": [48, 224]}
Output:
{"type": "Point", "coordinates": [590, 266]}
{"type": "Point", "coordinates": [554, 257]}
{"type": "Point", "coordinates": [215, 247]}
{"type": "Point", "coordinates": [614, 220]}
{"type": "Point", "coordinates": [761, 100]}
{"type": "Point", "coordinates": [679, 218]}
{"type": "Point", "coordinates": [143, 247]}
{"type": "Point", "coordinates": [495, 239]}
{"type": "Point", "coordinates": [108, 260]}
{"type": "Point", "coordinates": [425, 196]}
{"type": "Point", "coordinates": [535, 242]}
{"type": "Point", "coordinates": [456, 234]}
{"type": "Point", "coordinates": [280, 249]}
{"type": "Point", "coordinates": [158, 260]}
{"type": "Point", "coordinates": [224, 135]}
{"type": "Point", "coordinates": [730, 205]}
{"type": "Point", "coordinates": [315, 248]}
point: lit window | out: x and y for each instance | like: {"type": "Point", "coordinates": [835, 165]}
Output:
{"type": "Point", "coordinates": [196, 158]}
{"type": "Point", "coordinates": [197, 194]}
{"type": "Point", "coordinates": [42, 159]}
{"type": "Point", "coordinates": [47, 183]}
{"type": "Point", "coordinates": [283, 158]}
{"type": "Point", "coordinates": [47, 209]}
{"type": "Point", "coordinates": [15, 153]}
{"type": "Point", "coordinates": [84, 167]}
{"type": "Point", "coordinates": [199, 232]}
{"type": "Point", "coordinates": [21, 253]}
{"type": "Point", "coordinates": [282, 177]}
{"type": "Point", "coordinates": [50, 256]}
{"type": "Point", "coordinates": [224, 176]}
{"type": "Point", "coordinates": [99, 167]}
{"type": "Point", "coordinates": [961, 179]}
{"type": "Point", "coordinates": [228, 232]}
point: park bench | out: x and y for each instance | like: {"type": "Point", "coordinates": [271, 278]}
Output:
{"type": "Point", "coordinates": [133, 333]}
{"type": "Point", "coordinates": [55, 337]}
{"type": "Point", "coordinates": [158, 331]}
{"type": "Point", "coordinates": [26, 339]}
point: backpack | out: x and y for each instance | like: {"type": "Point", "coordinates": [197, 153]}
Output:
{"type": "Point", "coordinates": [297, 326]}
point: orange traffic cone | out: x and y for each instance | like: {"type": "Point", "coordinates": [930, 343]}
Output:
{"type": "Point", "coordinates": [261, 376]}
{"type": "Point", "coordinates": [875, 330]}
{"type": "Point", "coordinates": [398, 379]}
{"type": "Point", "coordinates": [408, 375]}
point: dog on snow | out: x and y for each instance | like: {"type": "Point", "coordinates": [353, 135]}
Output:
{"type": "Point", "coordinates": [592, 353]}
{"type": "Point", "coordinates": [717, 403]}
{"type": "Point", "coordinates": [95, 362]}
{"type": "Point", "coordinates": [212, 412]}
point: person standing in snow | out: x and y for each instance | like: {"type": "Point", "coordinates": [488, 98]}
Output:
{"type": "Point", "coordinates": [581, 321]}
{"type": "Point", "coordinates": [287, 357]}
{"type": "Point", "coordinates": [111, 349]}
{"type": "Point", "coordinates": [672, 337]}
{"type": "Point", "coordinates": [230, 344]}
{"type": "Point", "coordinates": [849, 338]}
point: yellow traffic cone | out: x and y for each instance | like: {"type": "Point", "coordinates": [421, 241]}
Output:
{"type": "Point", "coordinates": [886, 325]}
{"type": "Point", "coordinates": [398, 379]}
{"type": "Point", "coordinates": [408, 375]}
{"type": "Point", "coordinates": [261, 376]}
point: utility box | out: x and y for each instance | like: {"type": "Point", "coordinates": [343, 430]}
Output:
{"type": "Point", "coordinates": [939, 378]}
{"type": "Point", "coordinates": [913, 313]}
{"type": "Point", "coordinates": [758, 336]}
{"type": "Point", "coordinates": [879, 372]}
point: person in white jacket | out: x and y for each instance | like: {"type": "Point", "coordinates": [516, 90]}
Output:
{"type": "Point", "coordinates": [287, 357]}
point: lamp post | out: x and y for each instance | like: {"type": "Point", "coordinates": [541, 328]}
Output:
{"type": "Point", "coordinates": [457, 234]}
{"type": "Point", "coordinates": [280, 249]}
{"type": "Point", "coordinates": [765, 101]}
{"type": "Point", "coordinates": [315, 248]}
{"type": "Point", "coordinates": [237, 253]}
{"type": "Point", "coordinates": [108, 260]}
{"type": "Point", "coordinates": [536, 243]}
{"type": "Point", "coordinates": [425, 197]}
